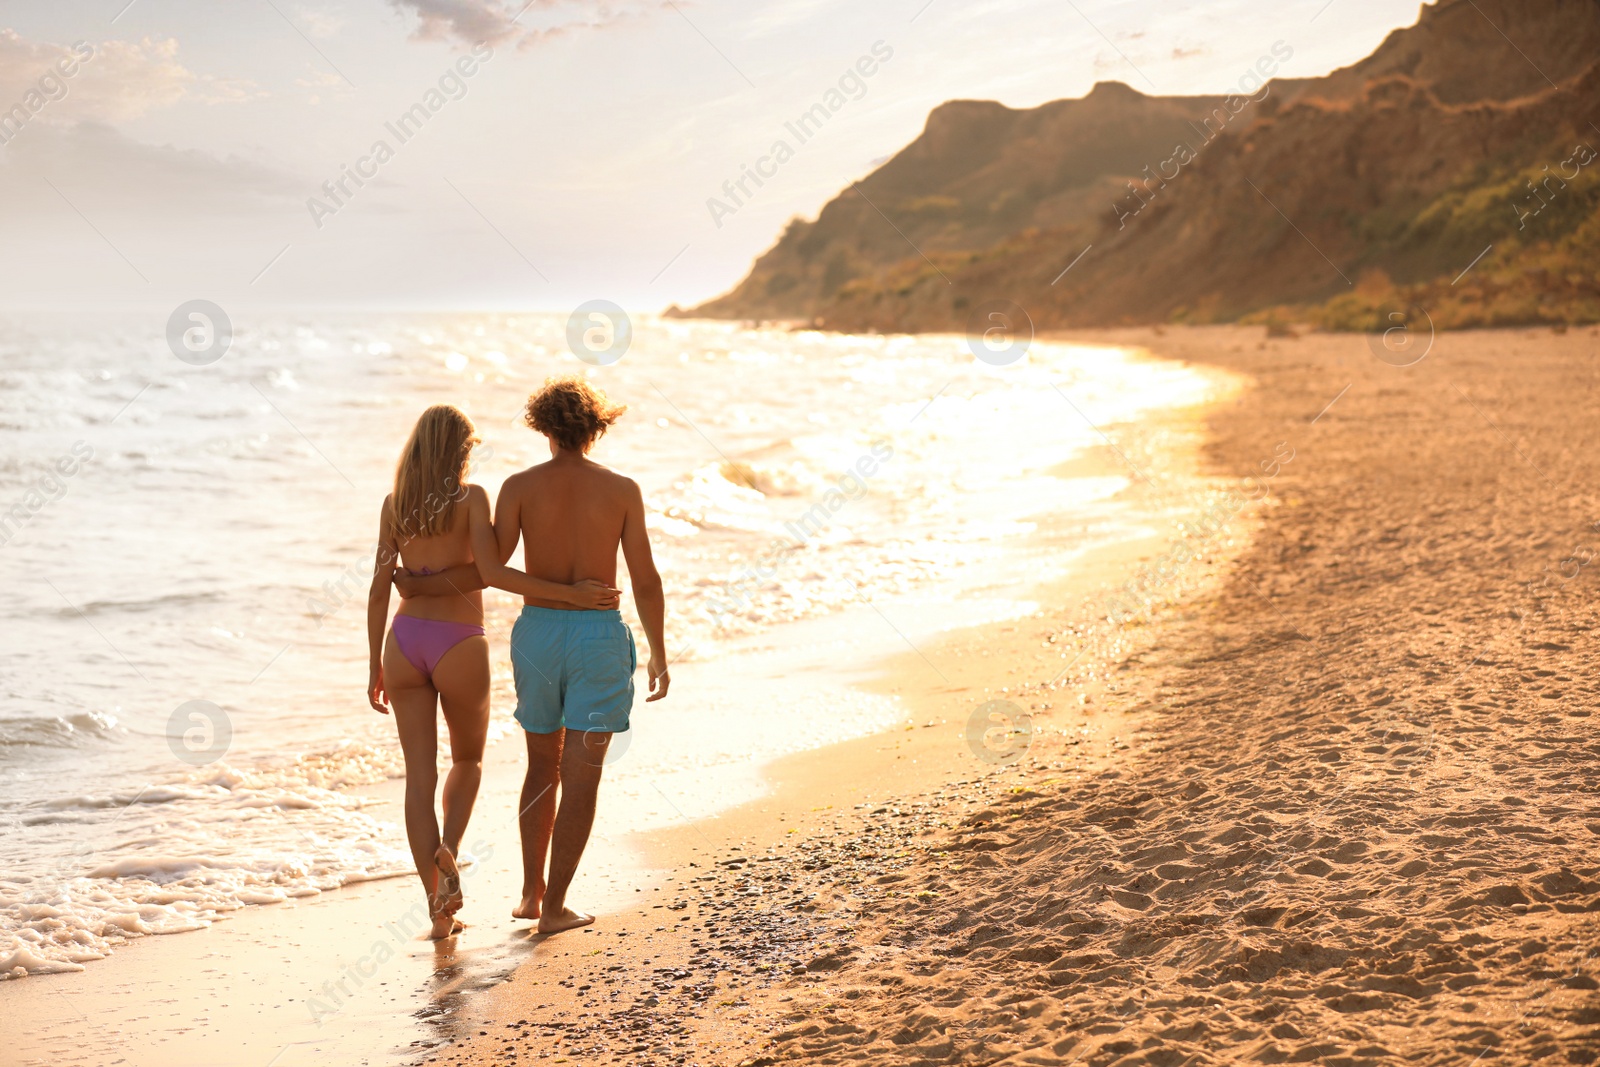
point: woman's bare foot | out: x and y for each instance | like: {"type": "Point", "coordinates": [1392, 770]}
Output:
{"type": "Point", "coordinates": [565, 919]}
{"type": "Point", "coordinates": [445, 926]}
{"type": "Point", "coordinates": [449, 891]}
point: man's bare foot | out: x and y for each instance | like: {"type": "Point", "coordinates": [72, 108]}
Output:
{"type": "Point", "coordinates": [529, 908]}
{"type": "Point", "coordinates": [445, 926]}
{"type": "Point", "coordinates": [449, 891]}
{"type": "Point", "coordinates": [565, 919]}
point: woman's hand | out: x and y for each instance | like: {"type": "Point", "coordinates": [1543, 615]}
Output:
{"type": "Point", "coordinates": [593, 595]}
{"type": "Point", "coordinates": [377, 696]}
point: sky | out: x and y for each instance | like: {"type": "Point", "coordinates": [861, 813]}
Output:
{"type": "Point", "coordinates": [557, 152]}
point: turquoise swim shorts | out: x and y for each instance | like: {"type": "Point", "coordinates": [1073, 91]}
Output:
{"type": "Point", "coordinates": [573, 669]}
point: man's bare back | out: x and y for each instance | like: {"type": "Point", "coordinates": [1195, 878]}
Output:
{"type": "Point", "coordinates": [572, 514]}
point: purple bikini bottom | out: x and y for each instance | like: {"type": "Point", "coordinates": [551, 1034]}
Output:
{"type": "Point", "coordinates": [425, 641]}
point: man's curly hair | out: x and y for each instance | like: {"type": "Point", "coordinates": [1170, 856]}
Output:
{"type": "Point", "coordinates": [572, 412]}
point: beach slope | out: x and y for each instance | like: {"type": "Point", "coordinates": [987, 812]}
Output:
{"type": "Point", "coordinates": [1359, 824]}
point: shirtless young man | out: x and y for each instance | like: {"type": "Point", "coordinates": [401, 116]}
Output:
{"type": "Point", "coordinates": [573, 668]}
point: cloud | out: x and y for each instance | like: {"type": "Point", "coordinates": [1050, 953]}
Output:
{"type": "Point", "coordinates": [468, 21]}
{"type": "Point", "coordinates": [319, 22]}
{"type": "Point", "coordinates": [525, 21]}
{"type": "Point", "coordinates": [318, 83]}
{"type": "Point", "coordinates": [212, 90]}
{"type": "Point", "coordinates": [119, 80]}
{"type": "Point", "coordinates": [123, 176]}
{"type": "Point", "coordinates": [94, 217]}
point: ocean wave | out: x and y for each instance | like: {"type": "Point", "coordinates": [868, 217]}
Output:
{"type": "Point", "coordinates": [228, 840]}
{"type": "Point", "coordinates": [118, 801]}
{"type": "Point", "coordinates": [822, 576]}
{"type": "Point", "coordinates": [744, 494]}
{"type": "Point", "coordinates": [56, 731]}
{"type": "Point", "coordinates": [144, 604]}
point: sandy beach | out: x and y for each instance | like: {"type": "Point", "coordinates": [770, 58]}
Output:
{"type": "Point", "coordinates": [1306, 778]}
{"type": "Point", "coordinates": [1332, 802]}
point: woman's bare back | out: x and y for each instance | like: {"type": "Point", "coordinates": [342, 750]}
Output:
{"type": "Point", "coordinates": [431, 555]}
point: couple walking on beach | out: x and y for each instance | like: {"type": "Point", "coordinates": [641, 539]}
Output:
{"type": "Point", "coordinates": [572, 656]}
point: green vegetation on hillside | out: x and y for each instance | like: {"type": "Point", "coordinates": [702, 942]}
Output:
{"type": "Point", "coordinates": [1540, 226]}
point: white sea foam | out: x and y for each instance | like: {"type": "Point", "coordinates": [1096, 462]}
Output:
{"type": "Point", "coordinates": [179, 857]}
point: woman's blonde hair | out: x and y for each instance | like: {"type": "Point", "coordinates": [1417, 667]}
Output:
{"type": "Point", "coordinates": [432, 473]}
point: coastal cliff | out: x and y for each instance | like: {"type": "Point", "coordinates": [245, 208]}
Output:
{"type": "Point", "coordinates": [1454, 168]}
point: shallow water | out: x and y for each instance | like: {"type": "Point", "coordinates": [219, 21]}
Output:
{"type": "Point", "coordinates": [213, 541]}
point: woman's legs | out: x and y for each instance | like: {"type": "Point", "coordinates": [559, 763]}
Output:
{"type": "Point", "coordinates": [462, 681]}
{"type": "Point", "coordinates": [415, 703]}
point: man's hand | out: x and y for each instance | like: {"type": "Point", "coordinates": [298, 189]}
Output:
{"type": "Point", "coordinates": [452, 581]}
{"type": "Point", "coordinates": [405, 583]}
{"type": "Point", "coordinates": [660, 679]}
{"type": "Point", "coordinates": [377, 696]}
{"type": "Point", "coordinates": [592, 595]}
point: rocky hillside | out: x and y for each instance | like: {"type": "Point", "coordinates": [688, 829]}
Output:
{"type": "Point", "coordinates": [1331, 199]}
{"type": "Point", "coordinates": [980, 173]}
{"type": "Point", "coordinates": [1466, 52]}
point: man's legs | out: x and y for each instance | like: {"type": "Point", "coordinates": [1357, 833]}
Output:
{"type": "Point", "coordinates": [537, 815]}
{"type": "Point", "coordinates": [583, 757]}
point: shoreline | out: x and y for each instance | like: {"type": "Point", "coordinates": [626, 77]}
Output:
{"type": "Point", "coordinates": [1346, 815]}
{"type": "Point", "coordinates": [691, 1003]}
{"type": "Point", "coordinates": [448, 984]}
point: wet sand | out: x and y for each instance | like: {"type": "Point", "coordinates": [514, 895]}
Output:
{"type": "Point", "coordinates": [1332, 798]}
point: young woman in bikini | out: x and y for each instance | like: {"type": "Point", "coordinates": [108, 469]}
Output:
{"type": "Point", "coordinates": [436, 655]}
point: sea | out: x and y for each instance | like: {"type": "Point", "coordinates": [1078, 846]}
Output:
{"type": "Point", "coordinates": [186, 551]}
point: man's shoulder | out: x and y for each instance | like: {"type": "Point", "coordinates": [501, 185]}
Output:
{"type": "Point", "coordinates": [600, 474]}
{"type": "Point", "coordinates": [597, 476]}
{"type": "Point", "coordinates": [521, 478]}
{"type": "Point", "coordinates": [615, 480]}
